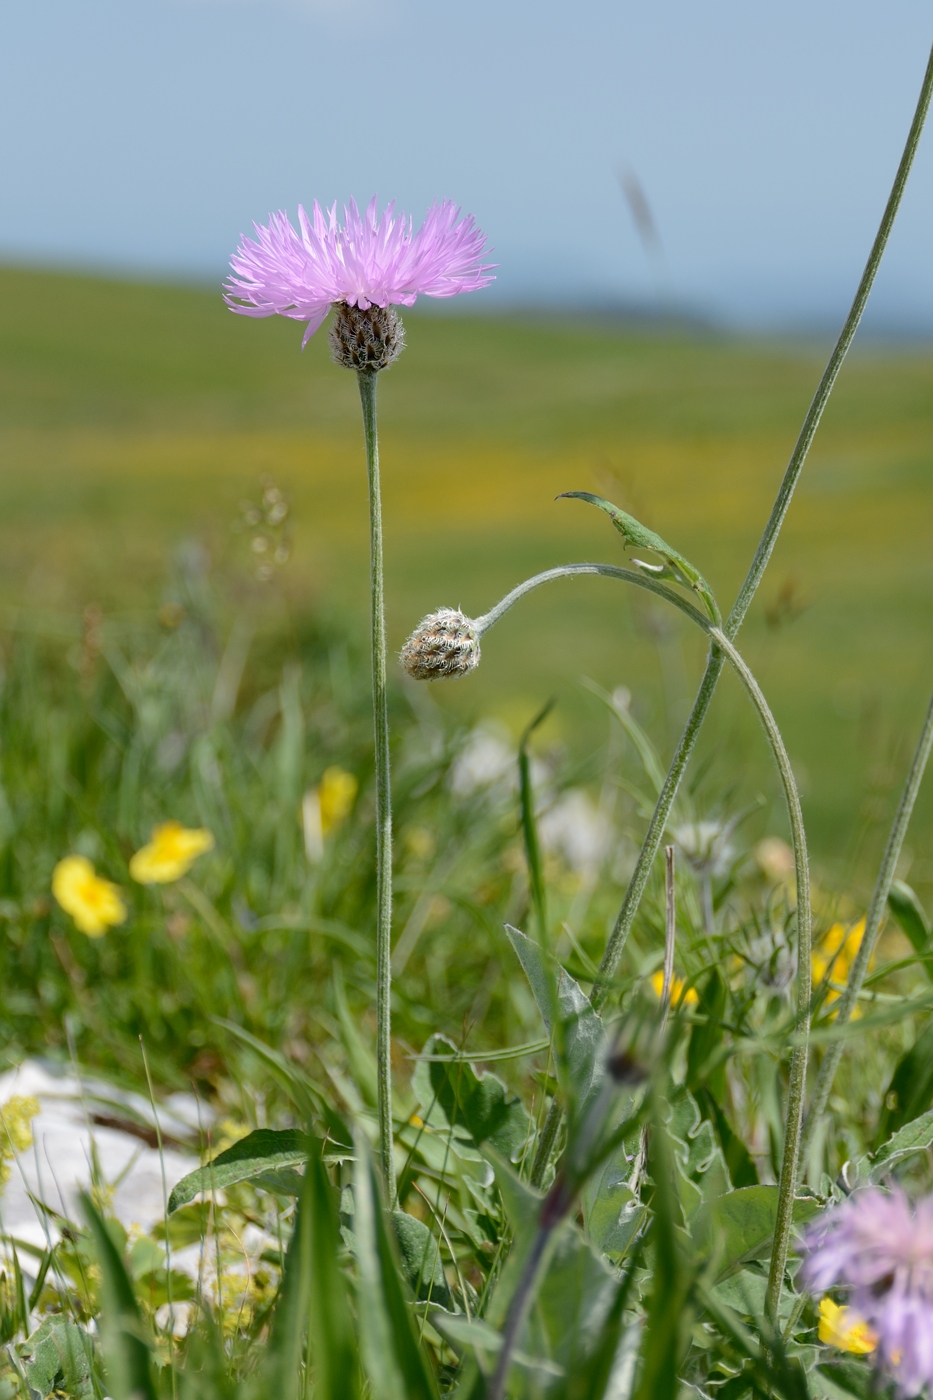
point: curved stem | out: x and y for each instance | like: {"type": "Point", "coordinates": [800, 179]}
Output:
{"type": "Point", "coordinates": [723, 648]}
{"type": "Point", "coordinates": [655, 832]}
{"type": "Point", "coordinates": [797, 1079]}
{"type": "Point", "coordinates": [873, 920]}
{"type": "Point", "coordinates": [367, 382]}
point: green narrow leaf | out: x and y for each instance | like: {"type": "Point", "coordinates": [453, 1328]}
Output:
{"type": "Point", "coordinates": [315, 1297]}
{"type": "Point", "coordinates": [262, 1151]}
{"type": "Point", "coordinates": [909, 913]}
{"type": "Point", "coordinates": [675, 567]}
{"type": "Point", "coordinates": [396, 1366]}
{"type": "Point", "coordinates": [910, 1091]}
{"type": "Point", "coordinates": [580, 1067]}
{"type": "Point", "coordinates": [530, 826]}
{"type": "Point", "coordinates": [668, 1315]}
{"type": "Point", "coordinates": [421, 1260]}
{"type": "Point", "coordinates": [123, 1336]}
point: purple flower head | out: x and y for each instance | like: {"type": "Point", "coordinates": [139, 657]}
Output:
{"type": "Point", "coordinates": [367, 261]}
{"type": "Point", "coordinates": [881, 1248]}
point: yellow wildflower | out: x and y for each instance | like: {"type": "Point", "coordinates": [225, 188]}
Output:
{"type": "Point", "coordinates": [336, 795]}
{"type": "Point", "coordinates": [93, 902]}
{"type": "Point", "coordinates": [16, 1116]}
{"type": "Point", "coordinates": [840, 1328]}
{"type": "Point", "coordinates": [170, 853]}
{"type": "Point", "coordinates": [678, 995]}
{"type": "Point", "coordinates": [835, 955]}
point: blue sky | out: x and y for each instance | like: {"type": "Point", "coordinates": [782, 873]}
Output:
{"type": "Point", "coordinates": [147, 134]}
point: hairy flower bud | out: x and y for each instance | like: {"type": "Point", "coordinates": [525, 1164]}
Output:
{"type": "Point", "coordinates": [371, 339]}
{"type": "Point", "coordinates": [445, 644]}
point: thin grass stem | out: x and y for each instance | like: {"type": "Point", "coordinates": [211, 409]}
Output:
{"type": "Point", "coordinates": [367, 383]}
{"type": "Point", "coordinates": [873, 922]}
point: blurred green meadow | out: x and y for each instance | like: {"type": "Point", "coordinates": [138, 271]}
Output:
{"type": "Point", "coordinates": [135, 419]}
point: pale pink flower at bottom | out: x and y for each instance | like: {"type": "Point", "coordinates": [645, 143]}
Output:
{"type": "Point", "coordinates": [879, 1246]}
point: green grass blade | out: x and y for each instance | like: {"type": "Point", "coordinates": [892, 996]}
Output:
{"type": "Point", "coordinates": [125, 1344]}
{"type": "Point", "coordinates": [396, 1366]}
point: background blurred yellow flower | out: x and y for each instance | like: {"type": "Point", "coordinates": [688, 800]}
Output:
{"type": "Point", "coordinates": [170, 854]}
{"type": "Point", "coordinates": [839, 1328]}
{"type": "Point", "coordinates": [835, 955]}
{"type": "Point", "coordinates": [326, 806]}
{"type": "Point", "coordinates": [678, 995]}
{"type": "Point", "coordinates": [336, 794]}
{"type": "Point", "coordinates": [93, 902]}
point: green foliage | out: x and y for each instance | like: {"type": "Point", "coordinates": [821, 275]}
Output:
{"type": "Point", "coordinates": [255, 1156]}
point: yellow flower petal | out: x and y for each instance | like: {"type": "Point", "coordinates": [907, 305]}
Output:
{"type": "Point", "coordinates": [93, 902]}
{"type": "Point", "coordinates": [839, 1327]}
{"type": "Point", "coordinates": [678, 995]}
{"type": "Point", "coordinates": [336, 794]}
{"type": "Point", "coordinates": [170, 854]}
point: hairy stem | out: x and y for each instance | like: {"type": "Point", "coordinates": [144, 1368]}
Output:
{"type": "Point", "coordinates": [367, 382]}
{"type": "Point", "coordinates": [873, 921]}
{"type": "Point", "coordinates": [656, 828]}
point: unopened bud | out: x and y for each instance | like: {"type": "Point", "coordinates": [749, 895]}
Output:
{"type": "Point", "coordinates": [444, 645]}
{"type": "Point", "coordinates": [370, 339]}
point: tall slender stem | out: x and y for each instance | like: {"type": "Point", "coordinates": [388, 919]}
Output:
{"type": "Point", "coordinates": [656, 828]}
{"type": "Point", "coordinates": [367, 381]}
{"type": "Point", "coordinates": [873, 920]}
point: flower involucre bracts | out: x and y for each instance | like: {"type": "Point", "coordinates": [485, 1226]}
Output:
{"type": "Point", "coordinates": [444, 645]}
{"type": "Point", "coordinates": [368, 260]}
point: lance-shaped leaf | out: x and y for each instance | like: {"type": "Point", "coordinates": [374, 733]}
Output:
{"type": "Point", "coordinates": [675, 567]}
{"type": "Point", "coordinates": [259, 1153]}
{"type": "Point", "coordinates": [582, 1066]}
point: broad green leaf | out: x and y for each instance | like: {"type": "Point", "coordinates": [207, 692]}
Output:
{"type": "Point", "coordinates": [262, 1151]}
{"type": "Point", "coordinates": [609, 1372]}
{"type": "Point", "coordinates": [395, 1364]}
{"type": "Point", "coordinates": [838, 1380]}
{"type": "Point", "coordinates": [706, 1037]}
{"type": "Point", "coordinates": [481, 1103]}
{"type": "Point", "coordinates": [576, 1286]}
{"type": "Point", "coordinates": [915, 1136]}
{"type": "Point", "coordinates": [909, 913]}
{"type": "Point", "coordinates": [735, 1228]}
{"type": "Point", "coordinates": [124, 1338]}
{"type": "Point", "coordinates": [59, 1347]}
{"type": "Point", "coordinates": [486, 1341]}
{"type": "Point", "coordinates": [675, 567]}
{"type": "Point", "coordinates": [582, 1067]}
{"type": "Point", "coordinates": [421, 1260]}
{"type": "Point", "coordinates": [910, 1091]}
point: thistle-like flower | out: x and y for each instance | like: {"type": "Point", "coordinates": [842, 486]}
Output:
{"type": "Point", "coordinates": [365, 265]}
{"type": "Point", "coordinates": [444, 645]}
{"type": "Point", "coordinates": [880, 1247]}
